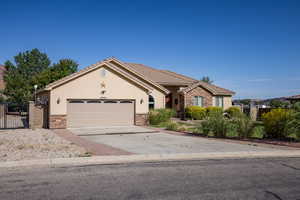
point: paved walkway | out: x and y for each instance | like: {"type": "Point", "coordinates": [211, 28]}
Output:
{"type": "Point", "coordinates": [97, 149]}
{"type": "Point", "coordinates": [110, 130]}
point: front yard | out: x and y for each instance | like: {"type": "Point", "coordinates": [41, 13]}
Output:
{"type": "Point", "coordinates": [279, 126]}
{"type": "Point", "coordinates": [27, 144]}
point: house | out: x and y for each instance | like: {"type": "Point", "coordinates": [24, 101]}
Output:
{"type": "Point", "coordinates": [112, 92]}
{"type": "Point", "coordinates": [294, 99]}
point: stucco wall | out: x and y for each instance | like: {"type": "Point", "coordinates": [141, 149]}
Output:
{"type": "Point", "coordinates": [159, 99]}
{"type": "Point", "coordinates": [90, 86]}
{"type": "Point", "coordinates": [227, 102]}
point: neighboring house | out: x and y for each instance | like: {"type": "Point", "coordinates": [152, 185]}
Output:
{"type": "Point", "coordinates": [2, 71]}
{"type": "Point", "coordinates": [294, 99]}
{"type": "Point", "coordinates": [112, 92]}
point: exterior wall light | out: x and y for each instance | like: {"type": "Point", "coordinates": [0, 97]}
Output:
{"type": "Point", "coordinates": [58, 100]}
{"type": "Point", "coordinates": [141, 101]}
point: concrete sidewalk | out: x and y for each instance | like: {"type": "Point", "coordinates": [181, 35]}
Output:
{"type": "Point", "coordinates": [104, 160]}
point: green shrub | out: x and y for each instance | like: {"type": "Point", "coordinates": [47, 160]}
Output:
{"type": "Point", "coordinates": [233, 111]}
{"type": "Point", "coordinates": [276, 123]}
{"type": "Point", "coordinates": [259, 131]}
{"type": "Point", "coordinates": [213, 109]}
{"type": "Point", "coordinates": [218, 124]}
{"type": "Point", "coordinates": [181, 129]}
{"type": "Point", "coordinates": [244, 126]}
{"type": "Point", "coordinates": [293, 124]}
{"type": "Point", "coordinates": [195, 112]}
{"type": "Point", "coordinates": [205, 127]}
{"type": "Point", "coordinates": [157, 116]}
{"type": "Point", "coordinates": [172, 126]}
{"type": "Point", "coordinates": [296, 106]}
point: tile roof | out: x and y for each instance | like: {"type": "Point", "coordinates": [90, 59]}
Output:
{"type": "Point", "coordinates": [166, 77]}
{"type": "Point", "coordinates": [294, 97]}
{"type": "Point", "coordinates": [157, 77]}
{"type": "Point", "coordinates": [210, 87]}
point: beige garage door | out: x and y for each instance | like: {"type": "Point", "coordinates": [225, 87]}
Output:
{"type": "Point", "coordinates": [93, 113]}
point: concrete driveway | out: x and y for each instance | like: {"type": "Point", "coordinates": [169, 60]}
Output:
{"type": "Point", "coordinates": [165, 143]}
{"type": "Point", "coordinates": [110, 130]}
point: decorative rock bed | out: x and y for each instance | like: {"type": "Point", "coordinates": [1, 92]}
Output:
{"type": "Point", "coordinates": [27, 144]}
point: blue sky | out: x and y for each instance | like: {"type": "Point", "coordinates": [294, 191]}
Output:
{"type": "Point", "coordinates": [251, 47]}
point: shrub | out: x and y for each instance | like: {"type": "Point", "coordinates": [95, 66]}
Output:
{"type": "Point", "coordinates": [296, 106]}
{"type": "Point", "coordinates": [195, 112]}
{"type": "Point", "coordinates": [218, 124]}
{"type": "Point", "coordinates": [213, 110]}
{"type": "Point", "coordinates": [160, 115]}
{"type": "Point", "coordinates": [233, 111]}
{"type": "Point", "coordinates": [205, 127]}
{"type": "Point", "coordinates": [244, 126]}
{"type": "Point", "coordinates": [172, 126]}
{"type": "Point", "coordinates": [275, 123]}
{"type": "Point", "coordinates": [181, 129]}
{"type": "Point", "coordinates": [293, 124]}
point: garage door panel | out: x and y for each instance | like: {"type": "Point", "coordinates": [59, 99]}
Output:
{"type": "Point", "coordinates": [100, 114]}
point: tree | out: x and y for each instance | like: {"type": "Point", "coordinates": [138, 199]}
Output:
{"type": "Point", "coordinates": [275, 103]}
{"type": "Point", "coordinates": [206, 79]}
{"type": "Point", "coordinates": [30, 68]}
{"type": "Point", "coordinates": [57, 71]}
{"type": "Point", "coordinates": [245, 101]}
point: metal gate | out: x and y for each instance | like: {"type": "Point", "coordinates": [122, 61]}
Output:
{"type": "Point", "coordinates": [13, 116]}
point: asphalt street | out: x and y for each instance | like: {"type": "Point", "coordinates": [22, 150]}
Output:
{"type": "Point", "coordinates": [211, 179]}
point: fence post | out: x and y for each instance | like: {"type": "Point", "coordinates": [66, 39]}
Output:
{"type": "Point", "coordinates": [253, 112]}
{"type": "Point", "coordinates": [31, 114]}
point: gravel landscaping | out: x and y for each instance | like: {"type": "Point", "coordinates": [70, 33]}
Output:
{"type": "Point", "coordinates": [27, 144]}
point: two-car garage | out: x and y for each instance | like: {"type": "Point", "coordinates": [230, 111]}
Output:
{"type": "Point", "coordinates": [104, 94]}
{"type": "Point", "coordinates": [96, 112]}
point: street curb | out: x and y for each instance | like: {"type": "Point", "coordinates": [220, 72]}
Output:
{"type": "Point", "coordinates": [104, 160]}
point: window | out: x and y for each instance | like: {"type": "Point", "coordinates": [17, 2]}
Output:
{"type": "Point", "coordinates": [103, 72]}
{"type": "Point", "coordinates": [151, 102]}
{"type": "Point", "coordinates": [198, 101]}
{"type": "Point", "coordinates": [93, 101]}
{"type": "Point", "coordinates": [218, 101]}
{"type": "Point", "coordinates": [126, 101]}
{"type": "Point", "coordinates": [110, 101]}
{"type": "Point", "coordinates": [76, 101]}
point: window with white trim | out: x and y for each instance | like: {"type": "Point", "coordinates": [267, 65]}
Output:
{"type": "Point", "coordinates": [219, 101]}
{"type": "Point", "coordinates": [198, 101]}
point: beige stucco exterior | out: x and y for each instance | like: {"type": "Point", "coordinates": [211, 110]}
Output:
{"type": "Point", "coordinates": [91, 85]}
{"type": "Point", "coordinates": [227, 102]}
{"type": "Point", "coordinates": [159, 99]}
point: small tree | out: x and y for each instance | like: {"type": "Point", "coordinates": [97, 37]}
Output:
{"type": "Point", "coordinates": [206, 79]}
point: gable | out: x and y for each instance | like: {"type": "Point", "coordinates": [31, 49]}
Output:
{"type": "Point", "coordinates": [101, 83]}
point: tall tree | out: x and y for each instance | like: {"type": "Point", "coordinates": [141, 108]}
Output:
{"type": "Point", "coordinates": [32, 68]}
{"type": "Point", "coordinates": [206, 79]}
{"type": "Point", "coordinates": [57, 71]}
{"type": "Point", "coordinates": [19, 75]}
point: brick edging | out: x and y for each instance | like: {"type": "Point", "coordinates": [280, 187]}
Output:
{"type": "Point", "coordinates": [92, 147]}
